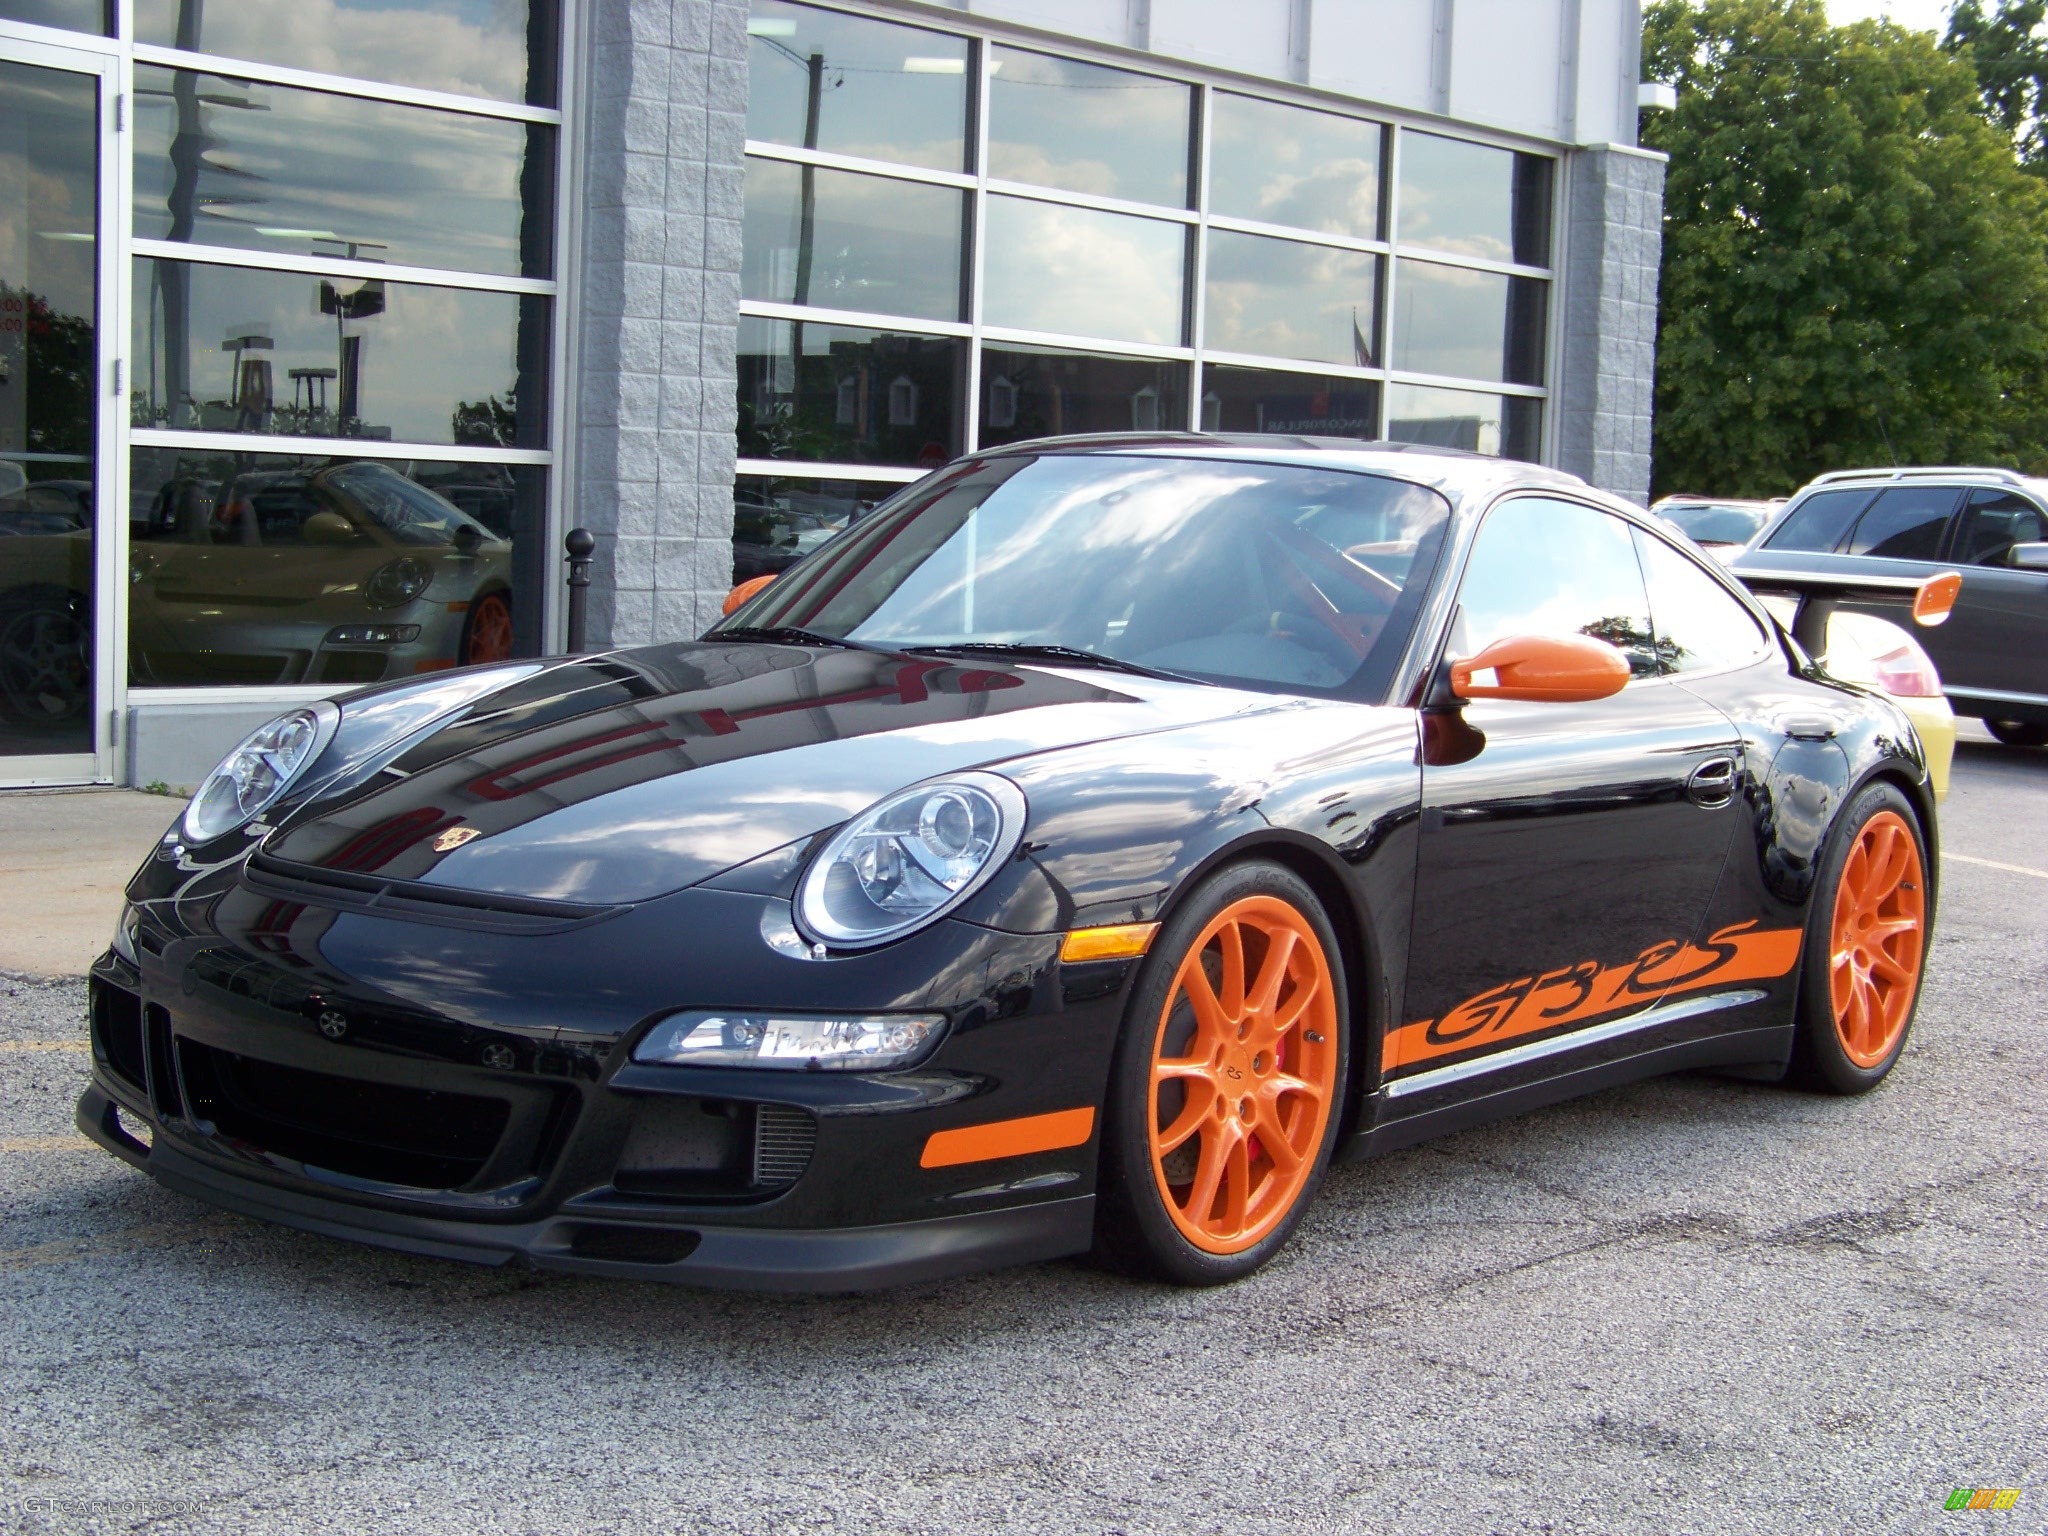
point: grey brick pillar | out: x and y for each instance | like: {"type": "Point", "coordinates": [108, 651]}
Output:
{"type": "Point", "coordinates": [659, 290]}
{"type": "Point", "coordinates": [1614, 215]}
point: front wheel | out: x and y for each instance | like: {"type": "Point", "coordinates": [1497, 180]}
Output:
{"type": "Point", "coordinates": [1223, 1102]}
{"type": "Point", "coordinates": [487, 636]}
{"type": "Point", "coordinates": [2018, 733]}
{"type": "Point", "coordinates": [1866, 946]}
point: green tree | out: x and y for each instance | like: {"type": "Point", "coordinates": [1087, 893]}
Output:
{"type": "Point", "coordinates": [2008, 47]}
{"type": "Point", "coordinates": [1855, 269]}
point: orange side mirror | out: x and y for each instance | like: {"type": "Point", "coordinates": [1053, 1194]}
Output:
{"type": "Point", "coordinates": [1936, 597]}
{"type": "Point", "coordinates": [1543, 669]}
{"type": "Point", "coordinates": [745, 590]}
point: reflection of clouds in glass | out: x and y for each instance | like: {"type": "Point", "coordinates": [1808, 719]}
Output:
{"type": "Point", "coordinates": [1457, 196]}
{"type": "Point", "coordinates": [1446, 418]}
{"type": "Point", "coordinates": [1082, 272]}
{"type": "Point", "coordinates": [1087, 128]}
{"type": "Point", "coordinates": [868, 104]}
{"type": "Point", "coordinates": [47, 181]}
{"type": "Point", "coordinates": [1288, 165]}
{"type": "Point", "coordinates": [876, 244]}
{"type": "Point", "coordinates": [418, 187]}
{"type": "Point", "coordinates": [1451, 320]}
{"type": "Point", "coordinates": [469, 47]}
{"type": "Point", "coordinates": [1288, 300]}
{"type": "Point", "coordinates": [430, 350]}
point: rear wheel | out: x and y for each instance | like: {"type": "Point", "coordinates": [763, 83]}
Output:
{"type": "Point", "coordinates": [1223, 1100]}
{"type": "Point", "coordinates": [2018, 733]}
{"type": "Point", "coordinates": [1866, 946]}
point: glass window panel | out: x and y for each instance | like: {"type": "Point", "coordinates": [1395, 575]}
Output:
{"type": "Point", "coordinates": [776, 522]}
{"type": "Point", "coordinates": [1993, 523]}
{"type": "Point", "coordinates": [1475, 199]}
{"type": "Point", "coordinates": [1086, 128]}
{"type": "Point", "coordinates": [832, 393]}
{"type": "Point", "coordinates": [870, 242]}
{"type": "Point", "coordinates": [882, 90]}
{"type": "Point", "coordinates": [220, 161]}
{"type": "Point", "coordinates": [1819, 521]}
{"type": "Point", "coordinates": [1284, 298]}
{"type": "Point", "coordinates": [226, 349]}
{"type": "Point", "coordinates": [1081, 272]}
{"type": "Point", "coordinates": [1509, 426]}
{"type": "Point", "coordinates": [1700, 625]}
{"type": "Point", "coordinates": [1038, 392]}
{"type": "Point", "coordinates": [48, 327]}
{"type": "Point", "coordinates": [71, 15]}
{"type": "Point", "coordinates": [1905, 523]}
{"type": "Point", "coordinates": [1543, 567]}
{"type": "Point", "coordinates": [503, 49]}
{"type": "Point", "coordinates": [1273, 400]}
{"type": "Point", "coordinates": [1471, 325]}
{"type": "Point", "coordinates": [279, 568]}
{"type": "Point", "coordinates": [1288, 165]}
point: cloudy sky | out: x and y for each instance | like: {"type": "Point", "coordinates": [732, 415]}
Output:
{"type": "Point", "coordinates": [1923, 15]}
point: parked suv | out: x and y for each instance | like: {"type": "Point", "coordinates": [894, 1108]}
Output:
{"type": "Point", "coordinates": [1989, 524]}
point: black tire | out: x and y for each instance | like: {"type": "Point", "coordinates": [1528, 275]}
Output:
{"type": "Point", "coordinates": [2018, 733]}
{"type": "Point", "coordinates": [45, 661]}
{"type": "Point", "coordinates": [1821, 1061]}
{"type": "Point", "coordinates": [1134, 1234]}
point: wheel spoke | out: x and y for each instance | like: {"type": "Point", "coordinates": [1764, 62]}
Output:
{"type": "Point", "coordinates": [1888, 928]}
{"type": "Point", "coordinates": [1272, 974]}
{"type": "Point", "coordinates": [1237, 1182]}
{"type": "Point", "coordinates": [1193, 1114]}
{"type": "Point", "coordinates": [1230, 995]}
{"type": "Point", "coordinates": [1870, 1014]}
{"type": "Point", "coordinates": [1881, 961]}
{"type": "Point", "coordinates": [1216, 1146]}
{"type": "Point", "coordinates": [1273, 1137]}
{"type": "Point", "coordinates": [1211, 1022]}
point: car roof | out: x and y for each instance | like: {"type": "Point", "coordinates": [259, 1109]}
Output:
{"type": "Point", "coordinates": [1957, 474]}
{"type": "Point", "coordinates": [1456, 472]}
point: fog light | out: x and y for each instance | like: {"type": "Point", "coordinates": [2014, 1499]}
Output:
{"type": "Point", "coordinates": [373, 634]}
{"type": "Point", "coordinates": [708, 1038]}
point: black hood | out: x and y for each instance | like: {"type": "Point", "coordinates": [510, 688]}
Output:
{"type": "Point", "coordinates": [629, 775]}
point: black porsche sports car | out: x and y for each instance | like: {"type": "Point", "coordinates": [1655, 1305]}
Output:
{"type": "Point", "coordinates": [1076, 854]}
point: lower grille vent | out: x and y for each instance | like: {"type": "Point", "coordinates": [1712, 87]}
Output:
{"type": "Point", "coordinates": [117, 1031]}
{"type": "Point", "coordinates": [784, 1138]}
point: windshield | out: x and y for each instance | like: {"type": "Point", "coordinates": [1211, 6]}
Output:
{"type": "Point", "coordinates": [1276, 576]}
{"type": "Point", "coordinates": [406, 510]}
{"type": "Point", "coordinates": [1706, 523]}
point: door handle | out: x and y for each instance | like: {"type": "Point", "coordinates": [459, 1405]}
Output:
{"type": "Point", "coordinates": [1712, 783]}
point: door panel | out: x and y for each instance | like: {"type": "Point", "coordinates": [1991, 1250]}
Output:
{"type": "Point", "coordinates": [1998, 633]}
{"type": "Point", "coordinates": [1568, 852]}
{"type": "Point", "coordinates": [49, 365]}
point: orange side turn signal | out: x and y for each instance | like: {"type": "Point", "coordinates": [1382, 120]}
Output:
{"type": "Point", "coordinates": [1008, 1138]}
{"type": "Point", "coordinates": [1936, 598]}
{"type": "Point", "coordinates": [1124, 941]}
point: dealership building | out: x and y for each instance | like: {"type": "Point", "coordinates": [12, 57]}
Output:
{"type": "Point", "coordinates": [323, 321]}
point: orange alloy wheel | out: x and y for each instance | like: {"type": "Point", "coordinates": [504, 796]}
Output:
{"type": "Point", "coordinates": [1244, 1069]}
{"type": "Point", "coordinates": [1879, 929]}
{"type": "Point", "coordinates": [490, 631]}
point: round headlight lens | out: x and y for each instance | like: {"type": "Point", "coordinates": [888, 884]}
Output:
{"type": "Point", "coordinates": [908, 859]}
{"type": "Point", "coordinates": [397, 583]}
{"type": "Point", "coordinates": [255, 774]}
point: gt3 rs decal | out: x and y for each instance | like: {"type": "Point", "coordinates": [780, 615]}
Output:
{"type": "Point", "coordinates": [1586, 991]}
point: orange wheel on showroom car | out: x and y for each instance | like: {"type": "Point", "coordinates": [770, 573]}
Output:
{"type": "Point", "coordinates": [488, 634]}
{"type": "Point", "coordinates": [1226, 1092]}
{"type": "Point", "coordinates": [1866, 945]}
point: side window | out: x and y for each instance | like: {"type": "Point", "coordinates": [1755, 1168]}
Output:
{"type": "Point", "coordinates": [1542, 567]}
{"type": "Point", "coordinates": [1700, 626]}
{"type": "Point", "coordinates": [1993, 522]}
{"type": "Point", "coordinates": [1905, 523]}
{"type": "Point", "coordinates": [1818, 523]}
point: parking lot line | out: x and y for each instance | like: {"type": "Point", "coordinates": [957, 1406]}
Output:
{"type": "Point", "coordinates": [2016, 869]}
{"type": "Point", "coordinates": [45, 1045]}
{"type": "Point", "coordinates": [45, 1144]}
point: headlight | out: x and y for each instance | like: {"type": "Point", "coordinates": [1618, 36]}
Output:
{"type": "Point", "coordinates": [124, 933]}
{"type": "Point", "coordinates": [256, 773]}
{"type": "Point", "coordinates": [398, 583]}
{"type": "Point", "coordinates": [909, 858]}
{"type": "Point", "coordinates": [839, 1043]}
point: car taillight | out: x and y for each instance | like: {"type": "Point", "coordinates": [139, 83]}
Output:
{"type": "Point", "coordinates": [1906, 673]}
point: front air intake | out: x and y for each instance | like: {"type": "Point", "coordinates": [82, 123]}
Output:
{"type": "Point", "coordinates": [784, 1138]}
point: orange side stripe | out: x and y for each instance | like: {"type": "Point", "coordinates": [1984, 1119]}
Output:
{"type": "Point", "coordinates": [1008, 1138]}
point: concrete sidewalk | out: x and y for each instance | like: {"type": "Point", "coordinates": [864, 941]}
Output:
{"type": "Point", "coordinates": [64, 857]}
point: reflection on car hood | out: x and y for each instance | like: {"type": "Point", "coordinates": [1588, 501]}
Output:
{"type": "Point", "coordinates": [621, 777]}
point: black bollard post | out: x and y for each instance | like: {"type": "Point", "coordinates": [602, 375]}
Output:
{"type": "Point", "coordinates": [581, 545]}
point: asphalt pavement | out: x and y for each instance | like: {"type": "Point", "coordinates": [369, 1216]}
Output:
{"type": "Point", "coordinates": [1694, 1305]}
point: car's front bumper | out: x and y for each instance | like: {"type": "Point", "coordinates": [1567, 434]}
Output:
{"type": "Point", "coordinates": [650, 1245]}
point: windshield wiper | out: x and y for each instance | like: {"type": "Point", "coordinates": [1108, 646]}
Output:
{"type": "Point", "coordinates": [1060, 655]}
{"type": "Point", "coordinates": [786, 634]}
